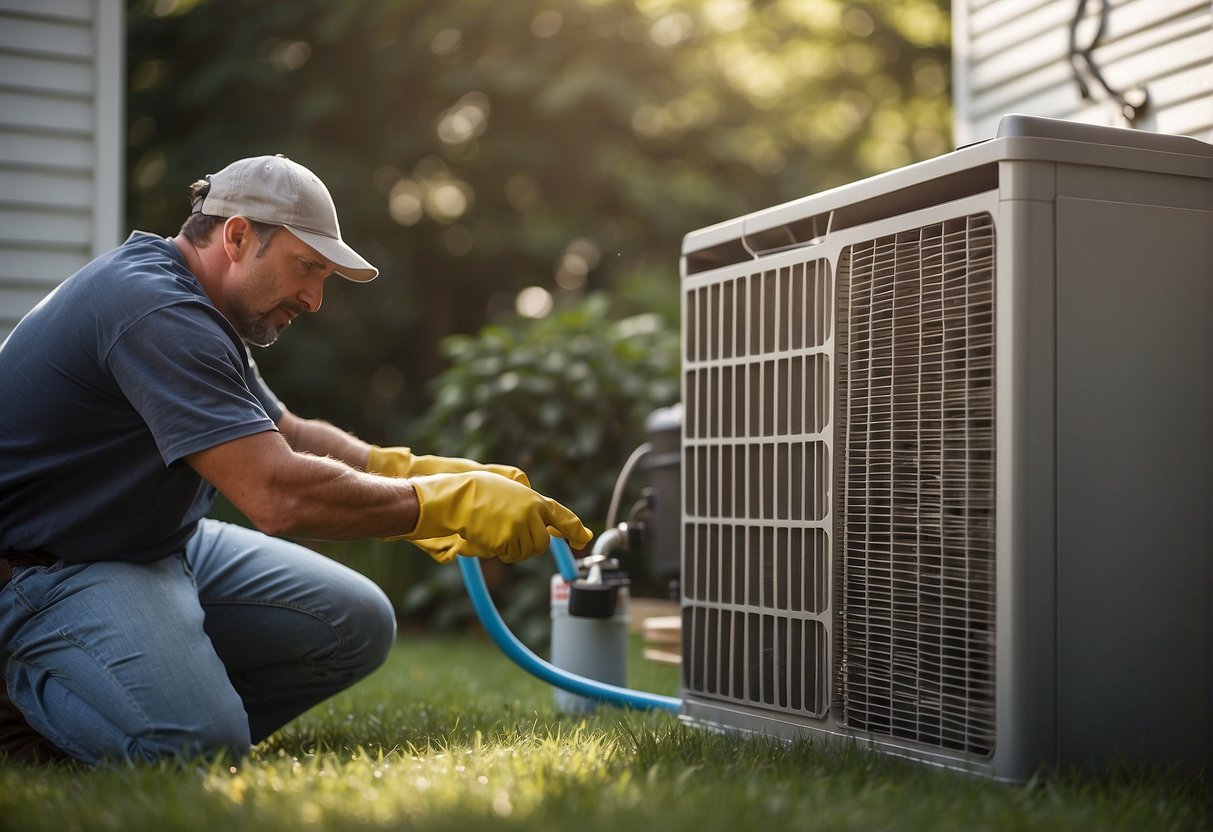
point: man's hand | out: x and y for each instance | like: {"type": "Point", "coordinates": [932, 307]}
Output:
{"type": "Point", "coordinates": [493, 514]}
{"type": "Point", "coordinates": [402, 462]}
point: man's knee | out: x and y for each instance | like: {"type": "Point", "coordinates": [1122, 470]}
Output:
{"type": "Point", "coordinates": [377, 626]}
{"type": "Point", "coordinates": [221, 731]}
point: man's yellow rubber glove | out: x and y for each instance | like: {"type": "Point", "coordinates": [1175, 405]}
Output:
{"type": "Point", "coordinates": [494, 515]}
{"type": "Point", "coordinates": [402, 462]}
{"type": "Point", "coordinates": [446, 549]}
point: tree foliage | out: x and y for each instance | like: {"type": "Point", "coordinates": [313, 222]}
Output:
{"type": "Point", "coordinates": [478, 147]}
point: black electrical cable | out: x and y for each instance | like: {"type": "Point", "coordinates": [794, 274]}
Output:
{"type": "Point", "coordinates": [1131, 109]}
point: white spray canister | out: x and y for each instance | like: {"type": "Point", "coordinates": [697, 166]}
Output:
{"type": "Point", "coordinates": [592, 640]}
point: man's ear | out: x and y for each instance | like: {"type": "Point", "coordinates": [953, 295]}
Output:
{"type": "Point", "coordinates": [237, 238]}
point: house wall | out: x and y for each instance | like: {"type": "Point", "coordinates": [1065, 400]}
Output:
{"type": "Point", "coordinates": [61, 143]}
{"type": "Point", "coordinates": [1011, 56]}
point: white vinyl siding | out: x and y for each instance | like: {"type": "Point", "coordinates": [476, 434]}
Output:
{"type": "Point", "coordinates": [61, 143]}
{"type": "Point", "coordinates": [1012, 56]}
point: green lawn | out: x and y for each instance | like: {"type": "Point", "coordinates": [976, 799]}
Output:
{"type": "Point", "coordinates": [450, 735]}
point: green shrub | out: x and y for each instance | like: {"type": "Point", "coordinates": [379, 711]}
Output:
{"type": "Point", "coordinates": [565, 399]}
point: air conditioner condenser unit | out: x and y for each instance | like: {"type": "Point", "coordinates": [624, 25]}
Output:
{"type": "Point", "coordinates": [947, 458]}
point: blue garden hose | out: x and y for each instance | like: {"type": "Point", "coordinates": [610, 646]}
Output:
{"type": "Point", "coordinates": [563, 555]}
{"type": "Point", "coordinates": [520, 654]}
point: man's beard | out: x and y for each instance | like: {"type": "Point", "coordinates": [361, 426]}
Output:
{"type": "Point", "coordinates": [261, 331]}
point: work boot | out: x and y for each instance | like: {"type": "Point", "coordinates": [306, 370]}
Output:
{"type": "Point", "coordinates": [19, 742]}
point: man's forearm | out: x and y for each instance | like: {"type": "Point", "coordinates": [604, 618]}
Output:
{"type": "Point", "coordinates": [285, 492]}
{"type": "Point", "coordinates": [326, 499]}
{"type": "Point", "coordinates": [315, 436]}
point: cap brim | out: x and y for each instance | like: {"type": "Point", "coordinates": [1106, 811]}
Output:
{"type": "Point", "coordinates": [350, 264]}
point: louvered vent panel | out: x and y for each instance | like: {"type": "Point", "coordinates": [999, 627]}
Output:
{"type": "Point", "coordinates": [757, 473]}
{"type": "Point", "coordinates": [915, 519]}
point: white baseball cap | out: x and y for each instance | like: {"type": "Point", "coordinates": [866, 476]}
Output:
{"type": "Point", "coordinates": [275, 190]}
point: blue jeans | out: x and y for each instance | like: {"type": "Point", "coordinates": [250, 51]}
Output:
{"type": "Point", "coordinates": [199, 653]}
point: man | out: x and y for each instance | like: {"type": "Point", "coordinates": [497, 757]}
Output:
{"type": "Point", "coordinates": [131, 627]}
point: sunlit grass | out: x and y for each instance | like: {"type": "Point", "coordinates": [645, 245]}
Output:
{"type": "Point", "coordinates": [450, 735]}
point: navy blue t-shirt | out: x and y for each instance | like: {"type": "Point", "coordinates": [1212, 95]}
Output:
{"type": "Point", "coordinates": [121, 372]}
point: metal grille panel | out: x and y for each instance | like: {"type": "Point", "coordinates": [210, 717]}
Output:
{"type": "Point", "coordinates": [757, 537]}
{"type": "Point", "coordinates": [839, 487]}
{"type": "Point", "coordinates": [916, 485]}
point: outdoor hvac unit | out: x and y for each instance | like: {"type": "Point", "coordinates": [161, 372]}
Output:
{"type": "Point", "coordinates": [947, 462]}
